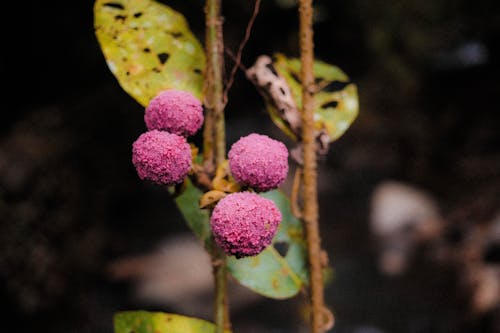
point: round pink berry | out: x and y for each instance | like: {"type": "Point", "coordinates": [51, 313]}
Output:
{"type": "Point", "coordinates": [244, 223]}
{"type": "Point", "coordinates": [161, 157]}
{"type": "Point", "coordinates": [174, 111]}
{"type": "Point", "coordinates": [259, 162]}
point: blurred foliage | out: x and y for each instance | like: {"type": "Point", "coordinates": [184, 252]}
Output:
{"type": "Point", "coordinates": [196, 218]}
{"type": "Point", "coordinates": [158, 322]}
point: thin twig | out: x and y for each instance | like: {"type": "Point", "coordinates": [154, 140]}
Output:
{"type": "Point", "coordinates": [294, 197]}
{"type": "Point", "coordinates": [240, 49]}
{"type": "Point", "coordinates": [233, 58]}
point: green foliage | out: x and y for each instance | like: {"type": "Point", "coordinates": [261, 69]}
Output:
{"type": "Point", "coordinates": [269, 273]}
{"type": "Point", "coordinates": [336, 101]}
{"type": "Point", "coordinates": [148, 47]}
{"type": "Point", "coordinates": [158, 322]}
{"type": "Point", "coordinates": [197, 219]}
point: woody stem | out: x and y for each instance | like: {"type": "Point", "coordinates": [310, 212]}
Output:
{"type": "Point", "coordinates": [215, 141]}
{"type": "Point", "coordinates": [310, 215]}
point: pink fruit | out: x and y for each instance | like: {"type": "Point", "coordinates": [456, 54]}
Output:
{"type": "Point", "coordinates": [174, 111]}
{"type": "Point", "coordinates": [259, 162]}
{"type": "Point", "coordinates": [244, 223]}
{"type": "Point", "coordinates": [161, 157]}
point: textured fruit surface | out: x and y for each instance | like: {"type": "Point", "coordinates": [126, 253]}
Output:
{"type": "Point", "coordinates": [174, 111]}
{"type": "Point", "coordinates": [244, 223]}
{"type": "Point", "coordinates": [259, 162]}
{"type": "Point", "coordinates": [161, 157]}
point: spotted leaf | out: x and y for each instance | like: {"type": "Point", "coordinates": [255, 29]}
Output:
{"type": "Point", "coordinates": [148, 47]}
{"type": "Point", "coordinates": [336, 98]}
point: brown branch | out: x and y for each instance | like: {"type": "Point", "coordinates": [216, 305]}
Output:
{"type": "Point", "coordinates": [214, 142]}
{"type": "Point", "coordinates": [237, 60]}
{"type": "Point", "coordinates": [310, 214]}
{"type": "Point", "coordinates": [214, 149]}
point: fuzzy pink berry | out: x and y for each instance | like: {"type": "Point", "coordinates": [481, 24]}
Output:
{"type": "Point", "coordinates": [259, 162]}
{"type": "Point", "coordinates": [161, 157]}
{"type": "Point", "coordinates": [244, 223]}
{"type": "Point", "coordinates": [174, 111]}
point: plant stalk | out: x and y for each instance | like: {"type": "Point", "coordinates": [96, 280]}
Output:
{"type": "Point", "coordinates": [214, 133]}
{"type": "Point", "coordinates": [214, 141]}
{"type": "Point", "coordinates": [310, 213]}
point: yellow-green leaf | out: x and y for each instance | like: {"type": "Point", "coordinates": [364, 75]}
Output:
{"type": "Point", "coordinates": [148, 47]}
{"type": "Point", "coordinates": [159, 322]}
{"type": "Point", "coordinates": [336, 101]}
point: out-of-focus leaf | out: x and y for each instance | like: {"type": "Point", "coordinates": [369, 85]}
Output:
{"type": "Point", "coordinates": [197, 219]}
{"type": "Point", "coordinates": [158, 322]}
{"type": "Point", "coordinates": [270, 273]}
{"type": "Point", "coordinates": [336, 102]}
{"type": "Point", "coordinates": [148, 47]}
{"type": "Point", "coordinates": [278, 121]}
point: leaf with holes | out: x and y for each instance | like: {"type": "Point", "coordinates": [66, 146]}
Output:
{"type": "Point", "coordinates": [280, 270]}
{"type": "Point", "coordinates": [148, 47]}
{"type": "Point", "coordinates": [335, 102]}
{"type": "Point", "coordinates": [158, 322]}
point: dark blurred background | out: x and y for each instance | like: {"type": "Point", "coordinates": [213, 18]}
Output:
{"type": "Point", "coordinates": [71, 204]}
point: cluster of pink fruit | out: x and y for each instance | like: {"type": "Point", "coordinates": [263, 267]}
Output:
{"type": "Point", "coordinates": [243, 223]}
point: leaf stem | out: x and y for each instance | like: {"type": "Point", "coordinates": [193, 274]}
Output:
{"type": "Point", "coordinates": [310, 214]}
{"type": "Point", "coordinates": [214, 141]}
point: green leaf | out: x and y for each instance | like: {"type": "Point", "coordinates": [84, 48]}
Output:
{"type": "Point", "coordinates": [269, 273]}
{"type": "Point", "coordinates": [197, 219]}
{"type": "Point", "coordinates": [336, 102]}
{"type": "Point", "coordinates": [158, 322]}
{"type": "Point", "coordinates": [148, 47]}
